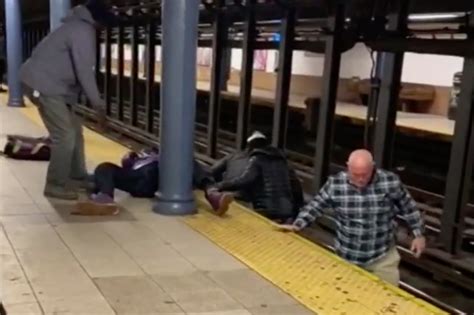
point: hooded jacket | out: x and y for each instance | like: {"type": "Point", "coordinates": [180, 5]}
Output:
{"type": "Point", "coordinates": [230, 167]}
{"type": "Point", "coordinates": [62, 64]}
{"type": "Point", "coordinates": [275, 191]}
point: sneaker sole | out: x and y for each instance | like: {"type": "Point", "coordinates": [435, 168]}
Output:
{"type": "Point", "coordinates": [224, 205]}
{"type": "Point", "coordinates": [92, 208]}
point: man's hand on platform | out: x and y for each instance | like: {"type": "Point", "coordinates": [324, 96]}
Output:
{"type": "Point", "coordinates": [418, 246]}
{"type": "Point", "coordinates": [287, 228]}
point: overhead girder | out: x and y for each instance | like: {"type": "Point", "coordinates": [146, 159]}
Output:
{"type": "Point", "coordinates": [33, 9]}
{"type": "Point", "coordinates": [310, 26]}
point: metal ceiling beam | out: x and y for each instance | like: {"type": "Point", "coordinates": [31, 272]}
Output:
{"type": "Point", "coordinates": [453, 47]}
{"type": "Point", "coordinates": [305, 8]}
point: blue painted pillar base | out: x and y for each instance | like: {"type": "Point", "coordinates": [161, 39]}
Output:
{"type": "Point", "coordinates": [180, 205]}
{"type": "Point", "coordinates": [178, 106]}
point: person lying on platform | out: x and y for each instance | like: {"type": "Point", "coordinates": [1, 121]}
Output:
{"type": "Point", "coordinates": [366, 201]}
{"type": "Point", "coordinates": [274, 190]}
{"type": "Point", "coordinates": [138, 175]}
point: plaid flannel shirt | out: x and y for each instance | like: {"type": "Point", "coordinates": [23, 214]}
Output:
{"type": "Point", "coordinates": [365, 217]}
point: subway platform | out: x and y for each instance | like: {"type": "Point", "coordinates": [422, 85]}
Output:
{"type": "Point", "coordinates": [139, 262]}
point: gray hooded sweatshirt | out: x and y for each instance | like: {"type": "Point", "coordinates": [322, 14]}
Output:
{"type": "Point", "coordinates": [63, 62]}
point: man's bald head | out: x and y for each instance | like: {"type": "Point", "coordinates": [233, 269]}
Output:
{"type": "Point", "coordinates": [360, 157]}
{"type": "Point", "coordinates": [360, 166]}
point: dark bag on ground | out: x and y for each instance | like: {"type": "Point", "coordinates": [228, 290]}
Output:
{"type": "Point", "coordinates": [28, 148]}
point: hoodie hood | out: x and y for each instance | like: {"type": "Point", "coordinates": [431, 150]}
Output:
{"type": "Point", "coordinates": [79, 13]}
{"type": "Point", "coordinates": [270, 152]}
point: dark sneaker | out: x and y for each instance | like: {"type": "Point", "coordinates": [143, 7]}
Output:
{"type": "Point", "coordinates": [60, 193]}
{"type": "Point", "coordinates": [219, 201]}
{"type": "Point", "coordinates": [100, 204]}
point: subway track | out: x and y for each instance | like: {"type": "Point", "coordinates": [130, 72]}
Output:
{"type": "Point", "coordinates": [427, 201]}
{"type": "Point", "coordinates": [437, 268]}
{"type": "Point", "coordinates": [426, 178]}
{"type": "Point", "coordinates": [430, 203]}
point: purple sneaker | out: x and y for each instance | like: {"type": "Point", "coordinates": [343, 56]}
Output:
{"type": "Point", "coordinates": [219, 201]}
{"type": "Point", "coordinates": [102, 198]}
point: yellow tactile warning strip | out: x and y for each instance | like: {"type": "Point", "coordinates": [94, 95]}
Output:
{"type": "Point", "coordinates": [321, 281]}
{"type": "Point", "coordinates": [317, 278]}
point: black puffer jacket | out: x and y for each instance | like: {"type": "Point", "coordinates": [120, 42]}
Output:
{"type": "Point", "coordinates": [275, 191]}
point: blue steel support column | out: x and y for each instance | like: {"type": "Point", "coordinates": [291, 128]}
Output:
{"type": "Point", "coordinates": [14, 52]}
{"type": "Point", "coordinates": [58, 9]}
{"type": "Point", "coordinates": [178, 102]}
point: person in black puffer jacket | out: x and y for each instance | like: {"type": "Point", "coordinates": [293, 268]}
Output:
{"type": "Point", "coordinates": [234, 164]}
{"type": "Point", "coordinates": [276, 193]}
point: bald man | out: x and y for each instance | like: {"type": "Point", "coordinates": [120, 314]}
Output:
{"type": "Point", "coordinates": [366, 201]}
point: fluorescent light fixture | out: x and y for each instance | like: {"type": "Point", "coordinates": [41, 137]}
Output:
{"type": "Point", "coordinates": [434, 16]}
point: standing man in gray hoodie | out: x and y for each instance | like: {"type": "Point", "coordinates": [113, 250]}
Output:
{"type": "Point", "coordinates": [59, 69]}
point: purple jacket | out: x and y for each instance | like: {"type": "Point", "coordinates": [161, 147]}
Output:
{"type": "Point", "coordinates": [137, 160]}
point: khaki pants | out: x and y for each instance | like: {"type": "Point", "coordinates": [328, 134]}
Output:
{"type": "Point", "coordinates": [67, 148]}
{"type": "Point", "coordinates": [386, 267]}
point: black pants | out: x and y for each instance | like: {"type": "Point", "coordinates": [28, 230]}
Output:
{"type": "Point", "coordinates": [142, 183]}
{"type": "Point", "coordinates": [202, 178]}
{"type": "Point", "coordinates": [109, 176]}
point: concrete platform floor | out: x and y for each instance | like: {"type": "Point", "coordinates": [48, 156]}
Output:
{"type": "Point", "coordinates": [134, 263]}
